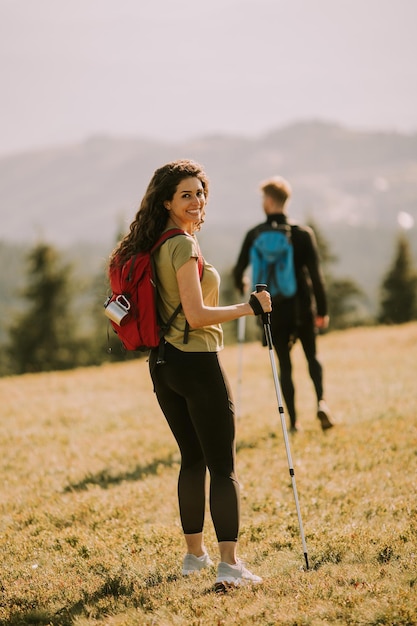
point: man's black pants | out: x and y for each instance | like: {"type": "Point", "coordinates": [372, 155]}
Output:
{"type": "Point", "coordinates": [289, 324]}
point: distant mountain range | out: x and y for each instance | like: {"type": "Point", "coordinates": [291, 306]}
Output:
{"type": "Point", "coordinates": [352, 184]}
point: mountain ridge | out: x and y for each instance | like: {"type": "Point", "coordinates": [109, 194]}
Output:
{"type": "Point", "coordinates": [351, 184]}
{"type": "Point", "coordinates": [86, 190]}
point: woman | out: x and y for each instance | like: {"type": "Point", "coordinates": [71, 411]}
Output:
{"type": "Point", "coordinates": [190, 385]}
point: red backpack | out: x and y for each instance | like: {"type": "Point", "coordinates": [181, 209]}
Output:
{"type": "Point", "coordinates": [131, 308]}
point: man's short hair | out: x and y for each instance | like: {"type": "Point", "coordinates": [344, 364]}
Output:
{"type": "Point", "coordinates": [277, 188]}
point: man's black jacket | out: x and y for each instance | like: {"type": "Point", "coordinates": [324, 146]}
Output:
{"type": "Point", "coordinates": [310, 284]}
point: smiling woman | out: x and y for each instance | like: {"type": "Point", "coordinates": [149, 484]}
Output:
{"type": "Point", "coordinates": [188, 380]}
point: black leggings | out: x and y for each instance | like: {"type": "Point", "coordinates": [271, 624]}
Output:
{"type": "Point", "coordinates": [285, 324]}
{"type": "Point", "coordinates": [195, 398]}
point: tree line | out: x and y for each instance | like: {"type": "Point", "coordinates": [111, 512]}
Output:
{"type": "Point", "coordinates": [61, 324]}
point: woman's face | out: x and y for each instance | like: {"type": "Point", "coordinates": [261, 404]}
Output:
{"type": "Point", "coordinates": [185, 208]}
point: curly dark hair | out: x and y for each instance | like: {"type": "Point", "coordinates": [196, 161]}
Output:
{"type": "Point", "coordinates": [152, 216]}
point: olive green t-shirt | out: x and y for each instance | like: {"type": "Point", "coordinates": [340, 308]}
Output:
{"type": "Point", "coordinates": [168, 259]}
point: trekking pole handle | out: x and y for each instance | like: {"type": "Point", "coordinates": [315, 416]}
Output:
{"type": "Point", "coordinates": [265, 316]}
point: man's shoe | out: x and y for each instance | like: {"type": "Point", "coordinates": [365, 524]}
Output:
{"type": "Point", "coordinates": [193, 563]}
{"type": "Point", "coordinates": [323, 414]}
{"type": "Point", "coordinates": [233, 576]}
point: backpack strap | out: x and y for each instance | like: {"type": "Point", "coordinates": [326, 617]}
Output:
{"type": "Point", "coordinates": [132, 265]}
{"type": "Point", "coordinates": [172, 232]}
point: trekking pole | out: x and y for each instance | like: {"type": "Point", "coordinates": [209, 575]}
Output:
{"type": "Point", "coordinates": [266, 319]}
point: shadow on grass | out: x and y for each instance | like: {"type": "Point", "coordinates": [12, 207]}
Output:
{"type": "Point", "coordinates": [105, 479]}
{"type": "Point", "coordinates": [251, 444]}
{"type": "Point", "coordinates": [117, 588]}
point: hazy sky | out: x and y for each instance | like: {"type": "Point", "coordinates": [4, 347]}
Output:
{"type": "Point", "coordinates": [178, 69]}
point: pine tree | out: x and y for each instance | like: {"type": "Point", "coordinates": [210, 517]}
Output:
{"type": "Point", "coordinates": [398, 302]}
{"type": "Point", "coordinates": [43, 336]}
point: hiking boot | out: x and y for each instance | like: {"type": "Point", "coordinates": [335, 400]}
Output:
{"type": "Point", "coordinates": [233, 576]}
{"type": "Point", "coordinates": [323, 414]}
{"type": "Point", "coordinates": [193, 563]}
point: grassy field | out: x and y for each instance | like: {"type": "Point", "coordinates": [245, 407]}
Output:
{"type": "Point", "coordinates": [89, 520]}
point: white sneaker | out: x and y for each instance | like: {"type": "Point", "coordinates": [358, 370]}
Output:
{"type": "Point", "coordinates": [234, 575]}
{"type": "Point", "coordinates": [193, 563]}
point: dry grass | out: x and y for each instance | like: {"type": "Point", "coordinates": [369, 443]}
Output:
{"type": "Point", "coordinates": [89, 520]}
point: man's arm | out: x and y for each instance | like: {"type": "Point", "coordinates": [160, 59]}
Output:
{"type": "Point", "coordinates": [242, 262]}
{"type": "Point", "coordinates": [317, 279]}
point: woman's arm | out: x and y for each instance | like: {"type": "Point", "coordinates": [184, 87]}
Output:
{"type": "Point", "coordinates": [197, 313]}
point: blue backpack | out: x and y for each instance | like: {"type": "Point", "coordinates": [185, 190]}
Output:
{"type": "Point", "coordinates": [272, 260]}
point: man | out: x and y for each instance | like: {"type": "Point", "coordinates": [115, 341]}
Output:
{"type": "Point", "coordinates": [298, 316]}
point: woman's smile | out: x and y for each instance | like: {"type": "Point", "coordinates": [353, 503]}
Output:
{"type": "Point", "coordinates": [185, 208]}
